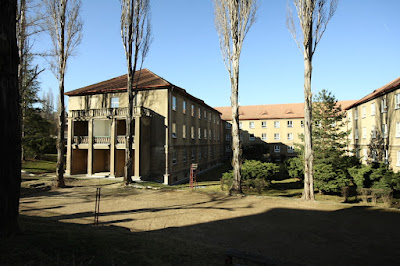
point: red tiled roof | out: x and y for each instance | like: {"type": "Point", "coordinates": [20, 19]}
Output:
{"type": "Point", "coordinates": [270, 111]}
{"type": "Point", "coordinates": [376, 93]}
{"type": "Point", "coordinates": [147, 80]}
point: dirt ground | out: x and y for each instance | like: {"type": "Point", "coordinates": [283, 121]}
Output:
{"type": "Point", "coordinates": [285, 229]}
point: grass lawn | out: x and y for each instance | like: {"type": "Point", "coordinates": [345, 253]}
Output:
{"type": "Point", "coordinates": [39, 166]}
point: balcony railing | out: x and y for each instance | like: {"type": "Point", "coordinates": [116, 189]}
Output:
{"type": "Point", "coordinates": [121, 139]}
{"type": "Point", "coordinates": [81, 139]}
{"type": "Point", "coordinates": [109, 112]}
{"type": "Point", "coordinates": [101, 140]}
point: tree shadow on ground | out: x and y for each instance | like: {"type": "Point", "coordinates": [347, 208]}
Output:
{"type": "Point", "coordinates": [357, 235]}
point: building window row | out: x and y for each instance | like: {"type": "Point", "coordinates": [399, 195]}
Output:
{"type": "Point", "coordinates": [193, 111]}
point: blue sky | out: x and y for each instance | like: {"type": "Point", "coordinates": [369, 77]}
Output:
{"type": "Point", "coordinates": [358, 53]}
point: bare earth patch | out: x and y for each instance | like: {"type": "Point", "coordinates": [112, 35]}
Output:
{"type": "Point", "coordinates": [285, 229]}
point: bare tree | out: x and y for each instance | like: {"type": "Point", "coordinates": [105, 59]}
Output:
{"type": "Point", "coordinates": [10, 165]}
{"type": "Point", "coordinates": [136, 38]}
{"type": "Point", "coordinates": [64, 26]}
{"type": "Point", "coordinates": [313, 18]}
{"type": "Point", "coordinates": [27, 26]}
{"type": "Point", "coordinates": [233, 19]}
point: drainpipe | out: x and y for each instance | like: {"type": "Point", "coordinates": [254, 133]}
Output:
{"type": "Point", "coordinates": [168, 139]}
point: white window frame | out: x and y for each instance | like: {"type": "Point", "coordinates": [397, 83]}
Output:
{"type": "Point", "coordinates": [290, 136]}
{"type": "Point", "coordinates": [277, 148]}
{"type": "Point", "coordinates": [398, 158]}
{"type": "Point", "coordinates": [397, 101]}
{"type": "Point", "coordinates": [114, 102]}
{"type": "Point", "coordinates": [277, 136]}
{"type": "Point", "coordinates": [199, 133]}
{"type": "Point", "coordinates": [228, 125]}
{"type": "Point", "coordinates": [373, 132]}
{"type": "Point", "coordinates": [356, 114]}
{"type": "Point", "coordinates": [364, 112]}
{"type": "Point", "coordinates": [365, 154]}
{"type": "Point", "coordinates": [251, 124]}
{"type": "Point", "coordinates": [277, 124]}
{"type": "Point", "coordinates": [199, 113]}
{"type": "Point", "coordinates": [263, 124]}
{"type": "Point", "coordinates": [192, 133]}
{"type": "Point", "coordinates": [356, 133]}
{"type": "Point", "coordinates": [302, 123]}
{"type": "Point", "coordinates": [290, 123]}
{"type": "Point", "coordinates": [264, 136]}
{"type": "Point", "coordinates": [384, 131]}
{"type": "Point", "coordinates": [205, 133]}
{"type": "Point", "coordinates": [364, 132]}
{"type": "Point", "coordinates": [290, 149]}
{"type": "Point", "coordinates": [174, 158]}
{"type": "Point", "coordinates": [383, 105]}
{"type": "Point", "coordinates": [397, 129]}
{"type": "Point", "coordinates": [240, 125]}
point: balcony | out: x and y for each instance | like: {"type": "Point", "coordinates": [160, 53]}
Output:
{"type": "Point", "coordinates": [109, 112]}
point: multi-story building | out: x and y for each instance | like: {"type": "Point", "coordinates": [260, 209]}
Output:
{"type": "Point", "coordinates": [277, 126]}
{"type": "Point", "coordinates": [172, 130]}
{"type": "Point", "coordinates": [374, 121]}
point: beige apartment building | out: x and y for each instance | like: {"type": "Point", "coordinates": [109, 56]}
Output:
{"type": "Point", "coordinates": [374, 122]}
{"type": "Point", "coordinates": [173, 129]}
{"type": "Point", "coordinates": [277, 126]}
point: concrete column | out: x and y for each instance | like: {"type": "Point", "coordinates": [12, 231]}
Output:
{"type": "Point", "coordinates": [112, 147]}
{"type": "Point", "coordinates": [90, 148]}
{"type": "Point", "coordinates": [137, 147]}
{"type": "Point", "coordinates": [69, 145]}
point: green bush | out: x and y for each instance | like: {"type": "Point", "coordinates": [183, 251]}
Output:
{"type": "Point", "coordinates": [253, 172]}
{"type": "Point", "coordinates": [295, 167]}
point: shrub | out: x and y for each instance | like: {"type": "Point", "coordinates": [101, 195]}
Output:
{"type": "Point", "coordinates": [295, 167]}
{"type": "Point", "coordinates": [254, 173]}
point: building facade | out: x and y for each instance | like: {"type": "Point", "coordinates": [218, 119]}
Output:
{"type": "Point", "coordinates": [173, 129]}
{"type": "Point", "coordinates": [374, 122]}
{"type": "Point", "coordinates": [276, 126]}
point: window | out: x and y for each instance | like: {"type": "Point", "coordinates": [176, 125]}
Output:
{"type": "Point", "coordinates": [199, 113]}
{"type": "Point", "coordinates": [192, 132]}
{"type": "Point", "coordinates": [386, 157]}
{"type": "Point", "coordinates": [398, 158]}
{"type": "Point", "coordinates": [251, 137]}
{"type": "Point", "coordinates": [317, 123]}
{"type": "Point", "coordinates": [214, 118]}
{"type": "Point", "coordinates": [384, 131]}
{"type": "Point", "coordinates": [302, 123]}
{"type": "Point", "coordinates": [276, 136]}
{"type": "Point", "coordinates": [209, 116]}
{"type": "Point", "coordinates": [174, 103]}
{"type": "Point", "coordinates": [277, 148]}
{"type": "Point", "coordinates": [199, 133]}
{"type": "Point", "coordinates": [174, 130]}
{"type": "Point", "coordinates": [397, 101]}
{"type": "Point", "coordinates": [114, 102]}
{"type": "Point", "coordinates": [365, 153]}
{"type": "Point", "coordinates": [193, 154]}
{"type": "Point", "coordinates": [215, 134]}
{"type": "Point", "coordinates": [199, 153]}
{"type": "Point", "coordinates": [397, 129]}
{"type": "Point", "coordinates": [364, 112]}
{"type": "Point", "coordinates": [205, 114]}
{"type": "Point", "coordinates": [264, 136]}
{"type": "Point", "coordinates": [372, 109]}
{"type": "Point", "coordinates": [217, 120]}
{"type": "Point", "coordinates": [228, 125]}
{"type": "Point", "coordinates": [241, 135]}
{"type": "Point", "coordinates": [209, 133]}
{"type": "Point", "coordinates": [277, 124]}
{"type": "Point", "coordinates": [364, 132]}
{"type": "Point", "coordinates": [184, 131]}
{"type": "Point", "coordinates": [349, 115]}
{"type": "Point", "coordinates": [251, 124]}
{"type": "Point", "coordinates": [290, 123]}
{"type": "Point", "coordinates": [264, 124]}
{"type": "Point", "coordinates": [356, 133]}
{"type": "Point", "coordinates": [290, 149]}
{"type": "Point", "coordinates": [184, 107]}
{"type": "Point", "coordinates": [193, 110]}
{"type": "Point", "coordinates": [383, 105]}
{"type": "Point", "coordinates": [373, 132]}
{"type": "Point", "coordinates": [205, 133]}
{"type": "Point", "coordinates": [356, 114]}
{"type": "Point", "coordinates": [174, 160]}
{"type": "Point", "coordinates": [184, 156]}
{"type": "Point", "coordinates": [240, 125]}
{"type": "Point", "coordinates": [228, 136]}
{"type": "Point", "coordinates": [290, 136]}
{"type": "Point", "coordinates": [227, 148]}
{"type": "Point", "coordinates": [374, 155]}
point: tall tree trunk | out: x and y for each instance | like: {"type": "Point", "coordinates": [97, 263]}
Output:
{"type": "Point", "coordinates": [129, 131]}
{"type": "Point", "coordinates": [10, 132]}
{"type": "Point", "coordinates": [308, 193]}
{"type": "Point", "coordinates": [61, 115]}
{"type": "Point", "coordinates": [22, 66]}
